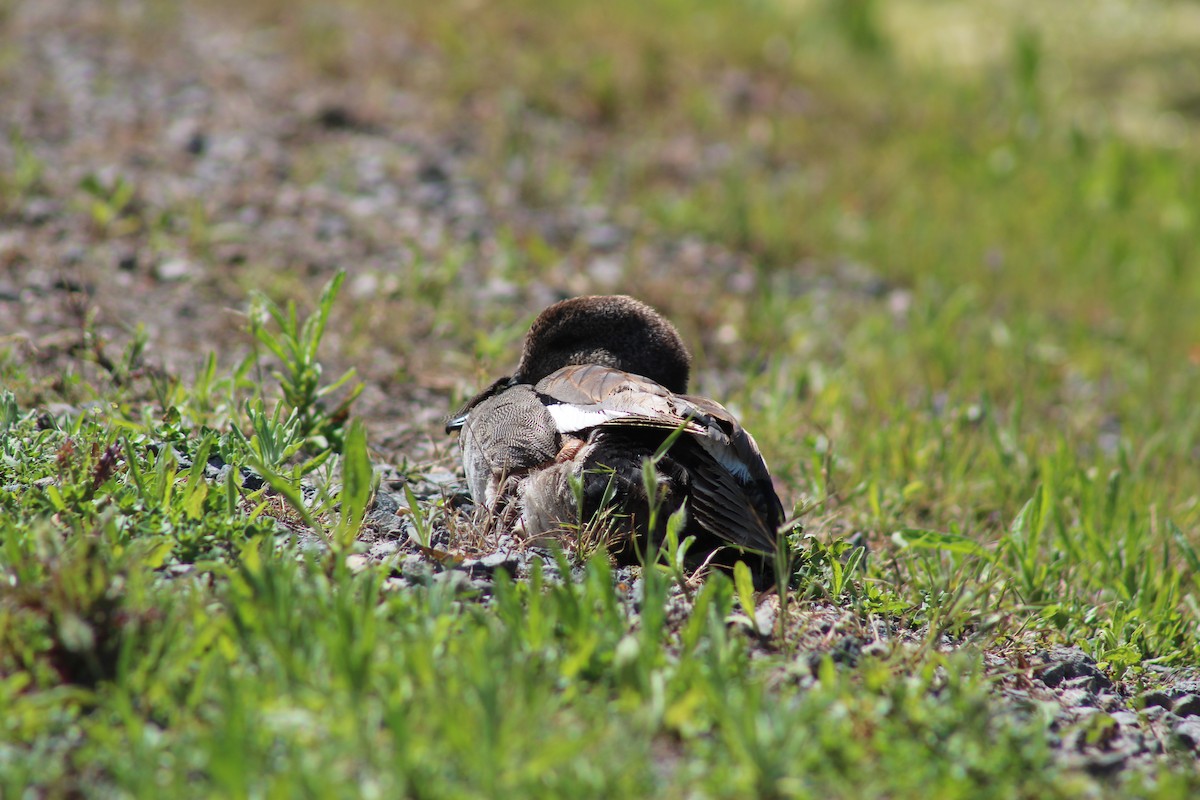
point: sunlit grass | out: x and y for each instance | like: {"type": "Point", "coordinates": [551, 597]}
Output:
{"type": "Point", "coordinates": [938, 258]}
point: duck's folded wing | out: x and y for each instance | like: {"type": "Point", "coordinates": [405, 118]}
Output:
{"type": "Point", "coordinates": [590, 384]}
{"type": "Point", "coordinates": [732, 495]}
{"type": "Point", "coordinates": [742, 474]}
{"type": "Point", "coordinates": [731, 510]}
{"type": "Point", "coordinates": [733, 446]}
{"type": "Point", "coordinates": [585, 396]}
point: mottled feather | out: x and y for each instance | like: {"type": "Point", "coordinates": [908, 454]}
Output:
{"type": "Point", "coordinates": [599, 390]}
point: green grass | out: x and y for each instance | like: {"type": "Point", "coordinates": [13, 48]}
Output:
{"type": "Point", "coordinates": [961, 324]}
{"type": "Point", "coordinates": [285, 679]}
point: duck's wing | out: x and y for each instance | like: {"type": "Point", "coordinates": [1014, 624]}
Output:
{"type": "Point", "coordinates": [744, 514]}
{"type": "Point", "coordinates": [581, 397]}
{"type": "Point", "coordinates": [732, 496]}
{"type": "Point", "coordinates": [735, 449]}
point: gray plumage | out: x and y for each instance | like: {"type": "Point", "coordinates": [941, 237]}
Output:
{"type": "Point", "coordinates": [506, 435]}
{"type": "Point", "coordinates": [599, 390]}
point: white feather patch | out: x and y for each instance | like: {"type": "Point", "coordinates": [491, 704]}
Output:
{"type": "Point", "coordinates": [570, 418]}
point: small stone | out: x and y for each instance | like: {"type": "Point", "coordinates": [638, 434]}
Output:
{"type": "Point", "coordinates": [11, 245]}
{"type": "Point", "coordinates": [1079, 713]}
{"type": "Point", "coordinates": [1110, 701]}
{"type": "Point", "coordinates": [606, 270]}
{"type": "Point", "coordinates": [1105, 763]}
{"type": "Point", "coordinates": [357, 562]}
{"type": "Point", "coordinates": [364, 284]}
{"type": "Point", "coordinates": [174, 269]}
{"type": "Point", "coordinates": [1077, 697]}
{"type": "Point", "coordinates": [457, 580]}
{"type": "Point", "coordinates": [251, 480]}
{"type": "Point", "coordinates": [1187, 706]}
{"type": "Point", "coordinates": [877, 649]}
{"type": "Point", "coordinates": [1155, 698]}
{"type": "Point", "coordinates": [385, 548]}
{"type": "Point", "coordinates": [604, 237]}
{"type": "Point", "coordinates": [495, 560]}
{"type": "Point", "coordinates": [385, 503]}
{"type": "Point", "coordinates": [40, 210]}
{"type": "Point", "coordinates": [1081, 682]}
{"type": "Point", "coordinates": [1188, 733]}
{"type": "Point", "coordinates": [460, 501]}
{"type": "Point", "coordinates": [1066, 663]}
{"type": "Point", "coordinates": [305, 542]}
{"type": "Point", "coordinates": [416, 565]}
{"type": "Point", "coordinates": [485, 567]}
{"type": "Point", "coordinates": [432, 172]}
{"type": "Point", "coordinates": [1182, 687]}
{"type": "Point", "coordinates": [337, 117]}
{"type": "Point", "coordinates": [440, 477]}
{"type": "Point", "coordinates": [742, 623]}
{"type": "Point", "coordinates": [1154, 713]}
{"type": "Point", "coordinates": [1125, 719]}
{"type": "Point", "coordinates": [765, 616]}
{"type": "Point", "coordinates": [196, 144]}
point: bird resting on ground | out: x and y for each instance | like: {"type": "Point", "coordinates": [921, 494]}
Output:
{"type": "Point", "coordinates": [599, 392]}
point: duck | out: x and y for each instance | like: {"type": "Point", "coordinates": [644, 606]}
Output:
{"type": "Point", "coordinates": [596, 423]}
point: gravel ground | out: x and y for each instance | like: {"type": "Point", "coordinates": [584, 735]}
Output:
{"type": "Point", "coordinates": [219, 138]}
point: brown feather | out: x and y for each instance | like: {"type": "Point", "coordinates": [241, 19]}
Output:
{"type": "Point", "coordinates": [599, 390]}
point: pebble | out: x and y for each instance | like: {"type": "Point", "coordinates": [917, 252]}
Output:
{"type": "Point", "coordinates": [1155, 713]}
{"type": "Point", "coordinates": [604, 237]}
{"type": "Point", "coordinates": [357, 562]}
{"type": "Point", "coordinates": [1188, 733]}
{"type": "Point", "coordinates": [1187, 706]}
{"type": "Point", "coordinates": [1077, 697]}
{"type": "Point", "coordinates": [1067, 663]}
{"type": "Point", "coordinates": [1155, 698]}
{"type": "Point", "coordinates": [1125, 718]}
{"type": "Point", "coordinates": [174, 269]}
{"type": "Point", "coordinates": [382, 549]}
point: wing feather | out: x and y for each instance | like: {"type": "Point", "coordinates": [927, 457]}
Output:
{"type": "Point", "coordinates": [732, 497]}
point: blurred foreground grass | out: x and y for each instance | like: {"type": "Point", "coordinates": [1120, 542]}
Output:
{"type": "Point", "coordinates": [960, 320]}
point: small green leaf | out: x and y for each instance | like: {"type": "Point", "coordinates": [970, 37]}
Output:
{"type": "Point", "coordinates": [193, 503]}
{"type": "Point", "coordinates": [418, 517]}
{"type": "Point", "coordinates": [1027, 526]}
{"type": "Point", "coordinates": [56, 498]}
{"type": "Point", "coordinates": [357, 478]}
{"type": "Point", "coordinates": [156, 554]}
{"type": "Point", "coordinates": [743, 583]}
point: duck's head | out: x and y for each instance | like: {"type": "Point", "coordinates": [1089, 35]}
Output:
{"type": "Point", "coordinates": [611, 330]}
